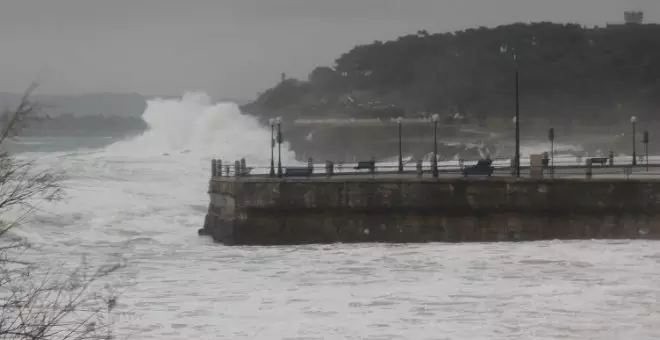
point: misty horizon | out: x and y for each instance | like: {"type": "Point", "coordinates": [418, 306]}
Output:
{"type": "Point", "coordinates": [234, 49]}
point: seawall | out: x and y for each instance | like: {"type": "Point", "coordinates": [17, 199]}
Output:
{"type": "Point", "coordinates": [257, 210]}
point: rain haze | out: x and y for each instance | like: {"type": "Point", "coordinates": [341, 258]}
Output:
{"type": "Point", "coordinates": [165, 183]}
{"type": "Point", "coordinates": [234, 48]}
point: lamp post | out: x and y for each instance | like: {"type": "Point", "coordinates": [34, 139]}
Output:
{"type": "Point", "coordinates": [551, 137]}
{"type": "Point", "coordinates": [646, 148]}
{"type": "Point", "coordinates": [434, 162]}
{"type": "Point", "coordinates": [278, 121]}
{"type": "Point", "coordinates": [271, 121]}
{"type": "Point", "coordinates": [516, 156]}
{"type": "Point", "coordinates": [633, 121]}
{"type": "Point", "coordinates": [505, 49]}
{"type": "Point", "coordinates": [515, 58]}
{"type": "Point", "coordinates": [399, 121]}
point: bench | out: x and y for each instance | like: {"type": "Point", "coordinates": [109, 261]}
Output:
{"type": "Point", "coordinates": [298, 171]}
{"type": "Point", "coordinates": [483, 167]}
{"type": "Point", "coordinates": [368, 165]}
{"type": "Point", "coordinates": [545, 162]}
{"type": "Point", "coordinates": [599, 160]}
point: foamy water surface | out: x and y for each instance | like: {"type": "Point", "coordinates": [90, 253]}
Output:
{"type": "Point", "coordinates": [131, 200]}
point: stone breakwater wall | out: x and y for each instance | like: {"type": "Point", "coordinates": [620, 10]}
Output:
{"type": "Point", "coordinates": [273, 211]}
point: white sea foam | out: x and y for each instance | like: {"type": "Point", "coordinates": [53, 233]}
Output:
{"type": "Point", "coordinates": [194, 125]}
{"type": "Point", "coordinates": [130, 199]}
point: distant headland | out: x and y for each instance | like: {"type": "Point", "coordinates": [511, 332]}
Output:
{"type": "Point", "coordinates": [570, 77]}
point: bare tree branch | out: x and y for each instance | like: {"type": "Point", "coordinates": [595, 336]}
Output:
{"type": "Point", "coordinates": [15, 120]}
{"type": "Point", "coordinates": [56, 304]}
{"type": "Point", "coordinates": [22, 183]}
{"type": "Point", "coordinates": [60, 307]}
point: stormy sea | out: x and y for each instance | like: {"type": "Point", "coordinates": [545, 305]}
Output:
{"type": "Point", "coordinates": [143, 199]}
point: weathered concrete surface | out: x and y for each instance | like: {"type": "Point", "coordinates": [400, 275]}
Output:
{"type": "Point", "coordinates": [264, 211]}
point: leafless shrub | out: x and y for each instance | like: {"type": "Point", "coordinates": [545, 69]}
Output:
{"type": "Point", "coordinates": [21, 181]}
{"type": "Point", "coordinates": [58, 304]}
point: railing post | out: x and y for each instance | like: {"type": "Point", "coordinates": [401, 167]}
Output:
{"type": "Point", "coordinates": [310, 164]}
{"type": "Point", "coordinates": [420, 170]}
{"type": "Point", "coordinates": [373, 167]}
{"type": "Point", "coordinates": [546, 164]}
{"type": "Point", "coordinates": [589, 169]}
{"type": "Point", "coordinates": [227, 170]}
{"type": "Point", "coordinates": [243, 167]}
{"type": "Point", "coordinates": [218, 167]}
{"type": "Point", "coordinates": [551, 138]}
{"type": "Point", "coordinates": [645, 140]}
{"type": "Point", "coordinates": [611, 158]}
{"type": "Point", "coordinates": [329, 168]}
{"type": "Point", "coordinates": [214, 167]}
{"type": "Point", "coordinates": [237, 168]}
{"type": "Point", "coordinates": [513, 166]}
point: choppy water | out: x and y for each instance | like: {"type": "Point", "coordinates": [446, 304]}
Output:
{"type": "Point", "coordinates": [497, 291]}
{"type": "Point", "coordinates": [131, 200]}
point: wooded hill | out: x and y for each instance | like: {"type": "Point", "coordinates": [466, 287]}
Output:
{"type": "Point", "coordinates": [568, 75]}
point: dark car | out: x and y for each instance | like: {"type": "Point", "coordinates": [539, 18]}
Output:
{"type": "Point", "coordinates": [483, 167]}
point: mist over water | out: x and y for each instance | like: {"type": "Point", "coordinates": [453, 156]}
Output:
{"type": "Point", "coordinates": [132, 200]}
{"type": "Point", "coordinates": [155, 180]}
{"type": "Point", "coordinates": [202, 128]}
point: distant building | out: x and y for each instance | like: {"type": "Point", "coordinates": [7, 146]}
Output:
{"type": "Point", "coordinates": [630, 18]}
{"type": "Point", "coordinates": [634, 17]}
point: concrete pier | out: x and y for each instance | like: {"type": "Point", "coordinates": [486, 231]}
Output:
{"type": "Point", "coordinates": [261, 210]}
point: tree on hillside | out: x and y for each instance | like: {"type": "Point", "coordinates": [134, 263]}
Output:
{"type": "Point", "coordinates": [35, 303]}
{"type": "Point", "coordinates": [325, 79]}
{"type": "Point", "coordinates": [566, 72]}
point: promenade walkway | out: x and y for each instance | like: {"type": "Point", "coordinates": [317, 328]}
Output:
{"type": "Point", "coordinates": [565, 167]}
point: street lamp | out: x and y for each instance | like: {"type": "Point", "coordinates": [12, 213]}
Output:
{"type": "Point", "coordinates": [515, 58]}
{"type": "Point", "coordinates": [516, 157]}
{"type": "Point", "coordinates": [551, 137]}
{"type": "Point", "coordinates": [271, 121]}
{"type": "Point", "coordinates": [399, 121]}
{"type": "Point", "coordinates": [278, 121]}
{"type": "Point", "coordinates": [504, 49]}
{"type": "Point", "coordinates": [434, 162]}
{"type": "Point", "coordinates": [633, 120]}
{"type": "Point", "coordinates": [646, 148]}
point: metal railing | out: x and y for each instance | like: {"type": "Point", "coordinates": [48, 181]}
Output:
{"type": "Point", "coordinates": [566, 167]}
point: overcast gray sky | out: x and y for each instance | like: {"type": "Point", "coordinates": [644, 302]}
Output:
{"type": "Point", "coordinates": [234, 48]}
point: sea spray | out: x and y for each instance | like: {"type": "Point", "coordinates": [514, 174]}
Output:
{"type": "Point", "coordinates": [199, 128]}
{"type": "Point", "coordinates": [132, 200]}
{"type": "Point", "coordinates": [152, 186]}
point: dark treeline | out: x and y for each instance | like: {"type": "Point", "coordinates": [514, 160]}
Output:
{"type": "Point", "coordinates": [569, 75]}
